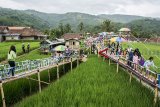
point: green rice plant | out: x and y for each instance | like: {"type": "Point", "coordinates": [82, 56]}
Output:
{"type": "Point", "coordinates": [93, 84]}
{"type": "Point", "coordinates": [17, 90]}
{"type": "Point", "coordinates": [5, 46]}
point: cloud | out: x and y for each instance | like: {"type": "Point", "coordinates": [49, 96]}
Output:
{"type": "Point", "coordinates": [133, 7]}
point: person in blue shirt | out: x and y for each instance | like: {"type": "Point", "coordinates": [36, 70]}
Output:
{"type": "Point", "coordinates": [130, 58]}
{"type": "Point", "coordinates": [149, 63]}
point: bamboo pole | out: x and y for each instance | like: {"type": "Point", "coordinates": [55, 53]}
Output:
{"type": "Point", "coordinates": [156, 92]}
{"type": "Point", "coordinates": [117, 66]}
{"type": "Point", "coordinates": [63, 66]}
{"type": "Point", "coordinates": [71, 64]}
{"type": "Point", "coordinates": [39, 80]}
{"type": "Point", "coordinates": [130, 79]}
{"type": "Point", "coordinates": [30, 90]}
{"type": "Point", "coordinates": [103, 58]}
{"type": "Point", "coordinates": [90, 50]}
{"type": "Point", "coordinates": [98, 51]}
{"type": "Point", "coordinates": [57, 71]}
{"type": "Point", "coordinates": [109, 62]}
{"type": "Point", "coordinates": [2, 94]}
{"type": "Point", "coordinates": [49, 76]}
{"type": "Point", "coordinates": [77, 61]}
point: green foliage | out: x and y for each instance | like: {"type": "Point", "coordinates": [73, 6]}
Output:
{"type": "Point", "coordinates": [19, 18]}
{"type": "Point", "coordinates": [107, 26]}
{"type": "Point", "coordinates": [93, 84]}
{"type": "Point", "coordinates": [81, 27]}
{"type": "Point", "coordinates": [66, 23]}
{"type": "Point", "coordinates": [145, 28]}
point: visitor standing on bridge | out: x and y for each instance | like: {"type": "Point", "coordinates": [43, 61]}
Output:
{"type": "Point", "coordinates": [135, 60]}
{"type": "Point", "coordinates": [130, 58]}
{"type": "Point", "coordinates": [67, 53]}
{"type": "Point", "coordinates": [11, 59]}
{"type": "Point", "coordinates": [28, 47]}
{"type": "Point", "coordinates": [23, 48]}
{"type": "Point", "coordinates": [149, 63]}
{"type": "Point", "coordinates": [113, 48]}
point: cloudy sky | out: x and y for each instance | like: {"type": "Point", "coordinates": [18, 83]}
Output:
{"type": "Point", "coordinates": [132, 7]}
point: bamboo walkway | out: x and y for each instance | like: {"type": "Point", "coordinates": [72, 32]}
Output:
{"type": "Point", "coordinates": [152, 80]}
{"type": "Point", "coordinates": [27, 68]}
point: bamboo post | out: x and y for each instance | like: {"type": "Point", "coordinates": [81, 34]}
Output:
{"type": "Point", "coordinates": [49, 76]}
{"type": "Point", "coordinates": [90, 50]}
{"type": "Point", "coordinates": [57, 71]}
{"type": "Point", "coordinates": [29, 85]}
{"type": "Point", "coordinates": [77, 61]}
{"type": "Point", "coordinates": [156, 92]}
{"type": "Point", "coordinates": [109, 62]}
{"type": "Point", "coordinates": [63, 66]}
{"type": "Point", "coordinates": [103, 58]}
{"type": "Point", "coordinates": [98, 52]}
{"type": "Point", "coordinates": [2, 94]}
{"type": "Point", "coordinates": [130, 79]}
{"type": "Point", "coordinates": [71, 64]}
{"type": "Point", "coordinates": [39, 80]}
{"type": "Point", "coordinates": [117, 66]}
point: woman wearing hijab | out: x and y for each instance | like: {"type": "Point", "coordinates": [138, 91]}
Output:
{"type": "Point", "coordinates": [11, 59]}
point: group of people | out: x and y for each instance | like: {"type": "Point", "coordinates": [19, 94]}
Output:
{"type": "Point", "coordinates": [133, 56]}
{"type": "Point", "coordinates": [24, 49]}
{"type": "Point", "coordinates": [59, 55]}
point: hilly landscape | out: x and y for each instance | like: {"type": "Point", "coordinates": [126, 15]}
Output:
{"type": "Point", "coordinates": [40, 19]}
{"type": "Point", "coordinates": [141, 26]}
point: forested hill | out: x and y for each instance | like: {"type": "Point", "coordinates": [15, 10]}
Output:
{"type": "Point", "coordinates": [9, 17]}
{"type": "Point", "coordinates": [139, 25]}
{"type": "Point", "coordinates": [41, 20]}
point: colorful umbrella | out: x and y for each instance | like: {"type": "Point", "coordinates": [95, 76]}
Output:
{"type": "Point", "coordinates": [118, 39]}
{"type": "Point", "coordinates": [60, 48]}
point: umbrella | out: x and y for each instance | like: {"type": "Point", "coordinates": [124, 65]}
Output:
{"type": "Point", "coordinates": [60, 48]}
{"type": "Point", "coordinates": [124, 30]}
{"type": "Point", "coordinates": [118, 39]}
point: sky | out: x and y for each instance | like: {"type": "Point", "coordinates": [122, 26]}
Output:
{"type": "Point", "coordinates": [148, 8]}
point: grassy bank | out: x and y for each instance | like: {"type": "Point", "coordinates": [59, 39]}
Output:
{"type": "Point", "coordinates": [5, 46]}
{"type": "Point", "coordinates": [93, 84]}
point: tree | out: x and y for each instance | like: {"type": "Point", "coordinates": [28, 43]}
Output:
{"type": "Point", "coordinates": [81, 27]}
{"type": "Point", "coordinates": [107, 26]}
{"type": "Point", "coordinates": [61, 29]}
{"type": "Point", "coordinates": [67, 28]}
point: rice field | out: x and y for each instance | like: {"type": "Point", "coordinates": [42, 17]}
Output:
{"type": "Point", "coordinates": [35, 54]}
{"type": "Point", "coordinates": [147, 50]}
{"type": "Point", "coordinates": [5, 46]}
{"type": "Point", "coordinates": [92, 84]}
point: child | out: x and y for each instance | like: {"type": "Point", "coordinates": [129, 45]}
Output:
{"type": "Point", "coordinates": [148, 64]}
{"type": "Point", "coordinates": [135, 60]}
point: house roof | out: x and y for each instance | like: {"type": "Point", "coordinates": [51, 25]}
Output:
{"type": "Point", "coordinates": [31, 32]}
{"type": "Point", "coordinates": [51, 42]}
{"type": "Point", "coordinates": [17, 28]}
{"type": "Point", "coordinates": [21, 31]}
{"type": "Point", "coordinates": [68, 36]}
{"type": "Point", "coordinates": [3, 28]}
{"type": "Point", "coordinates": [73, 39]}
